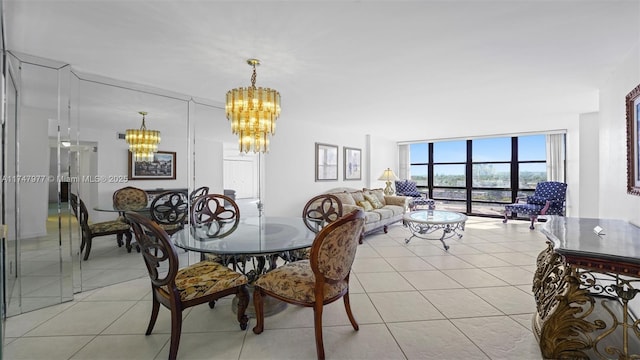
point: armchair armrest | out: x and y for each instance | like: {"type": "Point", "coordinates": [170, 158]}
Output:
{"type": "Point", "coordinates": [397, 200]}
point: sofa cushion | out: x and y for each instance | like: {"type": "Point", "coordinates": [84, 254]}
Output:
{"type": "Point", "coordinates": [395, 209]}
{"type": "Point", "coordinates": [373, 200]}
{"type": "Point", "coordinates": [365, 205]}
{"type": "Point", "coordinates": [384, 213]}
{"type": "Point", "coordinates": [345, 198]}
{"type": "Point", "coordinates": [371, 217]}
{"type": "Point", "coordinates": [357, 196]}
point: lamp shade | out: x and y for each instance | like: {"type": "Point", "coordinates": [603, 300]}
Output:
{"type": "Point", "coordinates": [388, 175]}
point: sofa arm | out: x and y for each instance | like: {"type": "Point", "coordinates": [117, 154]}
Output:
{"type": "Point", "coordinates": [397, 200]}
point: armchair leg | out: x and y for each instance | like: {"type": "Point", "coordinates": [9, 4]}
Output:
{"type": "Point", "coordinates": [259, 309]}
{"type": "Point", "coordinates": [533, 219]}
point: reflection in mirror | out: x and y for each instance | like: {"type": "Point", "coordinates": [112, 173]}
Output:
{"type": "Point", "coordinates": [39, 263]}
{"type": "Point", "coordinates": [105, 110]}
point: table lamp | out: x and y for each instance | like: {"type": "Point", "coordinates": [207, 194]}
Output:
{"type": "Point", "coordinates": [388, 176]}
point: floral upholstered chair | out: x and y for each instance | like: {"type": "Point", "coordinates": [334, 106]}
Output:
{"type": "Point", "coordinates": [418, 198]}
{"type": "Point", "coordinates": [317, 213]}
{"type": "Point", "coordinates": [91, 230]}
{"type": "Point", "coordinates": [548, 199]}
{"type": "Point", "coordinates": [321, 280]}
{"type": "Point", "coordinates": [178, 289]}
{"type": "Point", "coordinates": [130, 198]}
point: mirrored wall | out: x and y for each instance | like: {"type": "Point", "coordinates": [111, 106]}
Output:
{"type": "Point", "coordinates": [65, 130]}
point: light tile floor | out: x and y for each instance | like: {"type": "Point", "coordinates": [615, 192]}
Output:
{"type": "Point", "coordinates": [412, 301]}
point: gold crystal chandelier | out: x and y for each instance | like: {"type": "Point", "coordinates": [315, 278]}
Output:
{"type": "Point", "coordinates": [143, 143]}
{"type": "Point", "coordinates": [253, 113]}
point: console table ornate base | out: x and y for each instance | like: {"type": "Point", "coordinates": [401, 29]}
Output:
{"type": "Point", "coordinates": [586, 300]}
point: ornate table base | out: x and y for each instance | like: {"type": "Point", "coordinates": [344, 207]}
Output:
{"type": "Point", "coordinates": [584, 311]}
{"type": "Point", "coordinates": [424, 222]}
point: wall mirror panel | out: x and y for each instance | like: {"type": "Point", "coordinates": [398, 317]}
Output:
{"type": "Point", "coordinates": [105, 109]}
{"type": "Point", "coordinates": [65, 128]}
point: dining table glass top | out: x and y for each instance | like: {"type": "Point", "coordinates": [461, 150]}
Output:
{"type": "Point", "coordinates": [258, 235]}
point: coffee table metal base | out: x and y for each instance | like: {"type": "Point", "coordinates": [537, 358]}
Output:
{"type": "Point", "coordinates": [422, 223]}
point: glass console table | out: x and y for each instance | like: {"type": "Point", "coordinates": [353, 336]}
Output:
{"type": "Point", "coordinates": [585, 289]}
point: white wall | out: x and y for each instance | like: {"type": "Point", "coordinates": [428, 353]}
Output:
{"type": "Point", "coordinates": [289, 166]}
{"type": "Point", "coordinates": [614, 201]}
{"type": "Point", "coordinates": [589, 166]}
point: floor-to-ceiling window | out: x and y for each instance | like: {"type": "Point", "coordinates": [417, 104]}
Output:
{"type": "Point", "coordinates": [479, 176]}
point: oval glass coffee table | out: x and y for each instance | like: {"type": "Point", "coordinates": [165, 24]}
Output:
{"type": "Point", "coordinates": [424, 222]}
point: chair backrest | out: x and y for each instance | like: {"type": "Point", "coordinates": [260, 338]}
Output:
{"type": "Point", "coordinates": [158, 251]}
{"type": "Point", "coordinates": [80, 212]}
{"type": "Point", "coordinates": [210, 210]}
{"type": "Point", "coordinates": [130, 198]}
{"type": "Point", "coordinates": [334, 248]}
{"type": "Point", "coordinates": [551, 190]}
{"type": "Point", "coordinates": [321, 210]}
{"type": "Point", "coordinates": [170, 208]}
{"type": "Point", "coordinates": [407, 188]}
{"type": "Point", "coordinates": [195, 194]}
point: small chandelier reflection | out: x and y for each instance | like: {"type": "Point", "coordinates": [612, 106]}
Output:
{"type": "Point", "coordinates": [253, 113]}
{"type": "Point", "coordinates": [143, 143]}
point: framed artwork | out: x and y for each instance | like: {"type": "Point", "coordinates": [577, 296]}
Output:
{"type": "Point", "coordinates": [163, 167]}
{"type": "Point", "coordinates": [326, 162]}
{"type": "Point", "coordinates": [352, 163]}
{"type": "Point", "coordinates": [633, 141]}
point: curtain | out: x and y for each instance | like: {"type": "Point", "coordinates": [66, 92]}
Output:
{"type": "Point", "coordinates": [404, 168]}
{"type": "Point", "coordinates": [555, 157]}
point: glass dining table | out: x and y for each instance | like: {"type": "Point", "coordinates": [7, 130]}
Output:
{"type": "Point", "coordinates": [252, 246]}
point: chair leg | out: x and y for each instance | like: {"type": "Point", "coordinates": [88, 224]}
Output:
{"type": "Point", "coordinates": [154, 315]}
{"type": "Point", "coordinates": [347, 306]}
{"type": "Point", "coordinates": [176, 329]}
{"type": "Point", "coordinates": [119, 239]}
{"type": "Point", "coordinates": [128, 241]}
{"type": "Point", "coordinates": [317, 324]}
{"type": "Point", "coordinates": [533, 219]}
{"type": "Point", "coordinates": [87, 250]}
{"type": "Point", "coordinates": [258, 306]}
{"type": "Point", "coordinates": [243, 303]}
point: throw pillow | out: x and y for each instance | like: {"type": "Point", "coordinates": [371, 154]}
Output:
{"type": "Point", "coordinates": [373, 200]}
{"type": "Point", "coordinates": [357, 196]}
{"type": "Point", "coordinates": [365, 205]}
{"type": "Point", "coordinates": [345, 198]}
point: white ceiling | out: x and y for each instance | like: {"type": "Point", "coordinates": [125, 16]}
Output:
{"type": "Point", "coordinates": [383, 66]}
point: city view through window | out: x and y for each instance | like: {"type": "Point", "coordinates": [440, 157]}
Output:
{"type": "Point", "coordinates": [479, 176]}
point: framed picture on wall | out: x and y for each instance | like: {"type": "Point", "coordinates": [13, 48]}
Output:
{"type": "Point", "coordinates": [633, 141]}
{"type": "Point", "coordinates": [162, 167]}
{"type": "Point", "coordinates": [352, 159]}
{"type": "Point", "coordinates": [326, 162]}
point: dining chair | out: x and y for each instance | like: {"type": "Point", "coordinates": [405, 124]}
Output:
{"type": "Point", "coordinates": [130, 198]}
{"type": "Point", "coordinates": [178, 289]}
{"type": "Point", "coordinates": [92, 230]}
{"type": "Point", "coordinates": [210, 211]}
{"type": "Point", "coordinates": [170, 210]}
{"type": "Point", "coordinates": [320, 280]}
{"type": "Point", "coordinates": [195, 194]}
{"type": "Point", "coordinates": [318, 212]}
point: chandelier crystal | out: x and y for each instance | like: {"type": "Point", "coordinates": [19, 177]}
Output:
{"type": "Point", "coordinates": [143, 143]}
{"type": "Point", "coordinates": [253, 113]}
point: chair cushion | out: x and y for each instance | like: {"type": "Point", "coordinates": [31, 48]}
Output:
{"type": "Point", "coordinates": [108, 226]}
{"type": "Point", "coordinates": [206, 277]}
{"type": "Point", "coordinates": [296, 281]}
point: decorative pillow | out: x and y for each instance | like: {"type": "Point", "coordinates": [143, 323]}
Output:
{"type": "Point", "coordinates": [345, 198]}
{"type": "Point", "coordinates": [365, 205]}
{"type": "Point", "coordinates": [373, 200]}
{"type": "Point", "coordinates": [379, 193]}
{"type": "Point", "coordinates": [357, 196]}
